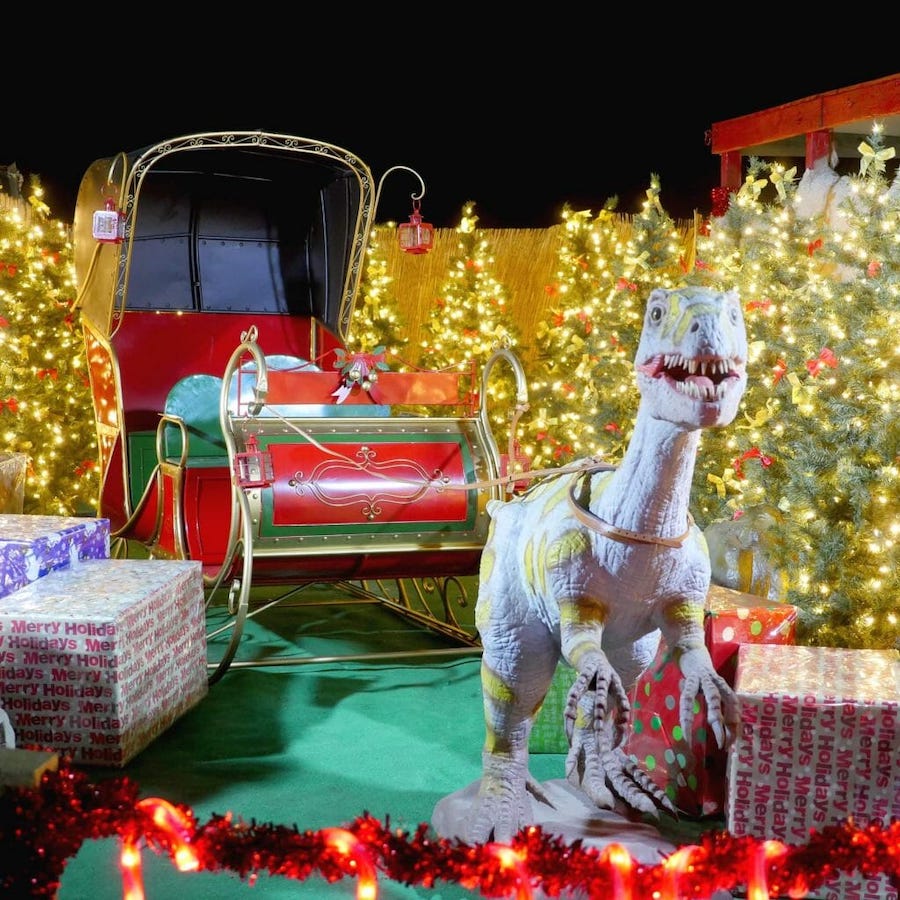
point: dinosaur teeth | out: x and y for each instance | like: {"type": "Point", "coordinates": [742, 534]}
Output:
{"type": "Point", "coordinates": [702, 389]}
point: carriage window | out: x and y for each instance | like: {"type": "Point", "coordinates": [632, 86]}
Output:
{"type": "Point", "coordinates": [219, 243]}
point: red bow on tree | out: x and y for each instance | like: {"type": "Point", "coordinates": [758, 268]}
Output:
{"type": "Point", "coordinates": [752, 453]}
{"type": "Point", "coordinates": [47, 373]}
{"type": "Point", "coordinates": [825, 358]}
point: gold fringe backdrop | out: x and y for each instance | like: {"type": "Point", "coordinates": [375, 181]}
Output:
{"type": "Point", "coordinates": [525, 262]}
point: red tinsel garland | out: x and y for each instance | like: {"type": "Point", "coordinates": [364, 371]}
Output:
{"type": "Point", "coordinates": [42, 828]}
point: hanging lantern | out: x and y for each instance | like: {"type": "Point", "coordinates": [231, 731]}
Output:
{"type": "Point", "coordinates": [108, 226]}
{"type": "Point", "coordinates": [416, 236]}
{"type": "Point", "coordinates": [253, 467]}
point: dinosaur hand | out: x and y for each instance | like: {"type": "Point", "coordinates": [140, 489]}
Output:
{"type": "Point", "coordinates": [722, 704]}
{"type": "Point", "coordinates": [598, 678]}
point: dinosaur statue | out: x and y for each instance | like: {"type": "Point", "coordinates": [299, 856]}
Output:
{"type": "Point", "coordinates": [597, 564]}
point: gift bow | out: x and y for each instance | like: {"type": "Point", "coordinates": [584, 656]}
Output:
{"type": "Point", "coordinates": [727, 480]}
{"type": "Point", "coordinates": [778, 179]}
{"type": "Point", "coordinates": [754, 185]}
{"type": "Point", "coordinates": [872, 157]}
{"type": "Point", "coordinates": [798, 390]}
{"type": "Point", "coordinates": [826, 357]}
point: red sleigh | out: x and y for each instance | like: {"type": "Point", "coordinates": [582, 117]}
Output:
{"type": "Point", "coordinates": [217, 278]}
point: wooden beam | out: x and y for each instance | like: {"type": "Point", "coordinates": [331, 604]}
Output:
{"type": "Point", "coordinates": [869, 100]}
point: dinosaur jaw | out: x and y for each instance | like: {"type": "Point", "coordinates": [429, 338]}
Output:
{"type": "Point", "coordinates": [700, 391]}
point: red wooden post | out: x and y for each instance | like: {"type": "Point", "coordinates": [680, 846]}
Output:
{"type": "Point", "coordinates": [818, 146]}
{"type": "Point", "coordinates": [731, 170]}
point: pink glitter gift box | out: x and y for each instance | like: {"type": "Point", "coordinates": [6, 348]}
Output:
{"type": "Point", "coordinates": [99, 659]}
{"type": "Point", "coordinates": [32, 546]}
{"type": "Point", "coordinates": [819, 743]}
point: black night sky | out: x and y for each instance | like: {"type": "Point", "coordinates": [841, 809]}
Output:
{"type": "Point", "coordinates": [519, 128]}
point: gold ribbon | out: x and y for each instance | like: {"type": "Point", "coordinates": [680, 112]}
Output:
{"type": "Point", "coordinates": [871, 157]}
{"type": "Point", "coordinates": [778, 178]}
{"type": "Point", "coordinates": [799, 391]}
{"type": "Point", "coordinates": [722, 484]}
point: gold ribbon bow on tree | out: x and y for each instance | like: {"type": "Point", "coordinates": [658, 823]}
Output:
{"type": "Point", "coordinates": [871, 157]}
{"type": "Point", "coordinates": [753, 185]}
{"type": "Point", "coordinates": [778, 178]}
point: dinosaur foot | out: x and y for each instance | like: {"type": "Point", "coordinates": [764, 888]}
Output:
{"type": "Point", "coordinates": [503, 804]}
{"type": "Point", "coordinates": [604, 773]}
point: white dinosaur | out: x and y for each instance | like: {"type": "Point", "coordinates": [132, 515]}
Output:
{"type": "Point", "coordinates": [594, 566]}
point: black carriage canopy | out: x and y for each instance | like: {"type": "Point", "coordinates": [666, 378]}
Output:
{"type": "Point", "coordinates": [268, 225]}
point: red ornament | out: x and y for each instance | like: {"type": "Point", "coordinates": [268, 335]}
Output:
{"type": "Point", "coordinates": [721, 197]}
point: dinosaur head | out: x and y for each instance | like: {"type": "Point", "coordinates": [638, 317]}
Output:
{"type": "Point", "coordinates": [691, 361]}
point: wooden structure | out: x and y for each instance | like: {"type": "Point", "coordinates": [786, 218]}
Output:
{"type": "Point", "coordinates": [811, 128]}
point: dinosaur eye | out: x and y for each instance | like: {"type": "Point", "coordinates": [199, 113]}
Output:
{"type": "Point", "coordinates": [734, 314]}
{"type": "Point", "coordinates": [656, 314]}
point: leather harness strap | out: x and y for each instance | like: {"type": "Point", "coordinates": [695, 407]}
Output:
{"type": "Point", "coordinates": [625, 535]}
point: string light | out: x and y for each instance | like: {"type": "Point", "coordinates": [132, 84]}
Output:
{"type": "Point", "coordinates": [44, 827]}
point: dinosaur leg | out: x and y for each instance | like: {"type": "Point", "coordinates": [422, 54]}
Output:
{"type": "Point", "coordinates": [513, 687]}
{"type": "Point", "coordinates": [597, 715]}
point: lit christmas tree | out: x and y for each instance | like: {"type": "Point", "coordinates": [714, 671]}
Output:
{"type": "Point", "coordinates": [377, 321]}
{"type": "Point", "coordinates": [584, 398]}
{"type": "Point", "coordinates": [46, 403]}
{"type": "Point", "coordinates": [819, 439]}
{"type": "Point", "coordinates": [471, 319]}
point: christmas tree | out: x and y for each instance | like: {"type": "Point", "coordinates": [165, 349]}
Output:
{"type": "Point", "coordinates": [377, 321]}
{"type": "Point", "coordinates": [46, 409]}
{"type": "Point", "coordinates": [819, 436]}
{"type": "Point", "coordinates": [584, 397]}
{"type": "Point", "coordinates": [471, 318]}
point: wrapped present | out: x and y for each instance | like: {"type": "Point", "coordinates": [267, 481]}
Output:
{"type": "Point", "coordinates": [99, 659]}
{"type": "Point", "coordinates": [13, 470]}
{"type": "Point", "coordinates": [32, 546]}
{"type": "Point", "coordinates": [819, 743]}
{"type": "Point", "coordinates": [692, 768]}
{"type": "Point", "coordinates": [733, 617]}
{"type": "Point", "coordinates": [548, 734]}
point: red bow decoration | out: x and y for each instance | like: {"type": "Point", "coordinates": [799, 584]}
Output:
{"type": "Point", "coordinates": [780, 369]}
{"type": "Point", "coordinates": [4, 323]}
{"type": "Point", "coordinates": [583, 263]}
{"type": "Point", "coordinates": [752, 453]}
{"type": "Point", "coordinates": [69, 321]}
{"type": "Point", "coordinates": [87, 465]}
{"type": "Point", "coordinates": [873, 269]}
{"type": "Point", "coordinates": [825, 358]}
{"type": "Point", "coordinates": [623, 284]}
{"type": "Point", "coordinates": [700, 264]}
{"type": "Point", "coordinates": [10, 403]}
{"type": "Point", "coordinates": [551, 290]}
{"type": "Point", "coordinates": [612, 427]}
{"type": "Point", "coordinates": [473, 264]}
{"type": "Point", "coordinates": [763, 304]}
{"type": "Point", "coordinates": [558, 319]}
{"type": "Point", "coordinates": [815, 245]}
{"type": "Point", "coordinates": [45, 373]}
{"type": "Point", "coordinates": [9, 268]}
{"type": "Point", "coordinates": [568, 389]}
{"type": "Point", "coordinates": [586, 321]}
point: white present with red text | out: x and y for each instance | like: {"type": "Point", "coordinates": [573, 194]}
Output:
{"type": "Point", "coordinates": [98, 660]}
{"type": "Point", "coordinates": [819, 743]}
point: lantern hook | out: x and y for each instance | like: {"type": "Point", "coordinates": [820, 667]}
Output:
{"type": "Point", "coordinates": [416, 197]}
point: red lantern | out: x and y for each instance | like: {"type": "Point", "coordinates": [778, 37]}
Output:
{"type": "Point", "coordinates": [416, 236]}
{"type": "Point", "coordinates": [253, 467]}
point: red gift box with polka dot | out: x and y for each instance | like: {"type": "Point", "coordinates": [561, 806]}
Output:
{"type": "Point", "coordinates": [691, 769]}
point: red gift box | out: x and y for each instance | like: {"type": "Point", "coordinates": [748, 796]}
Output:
{"type": "Point", "coordinates": [692, 770]}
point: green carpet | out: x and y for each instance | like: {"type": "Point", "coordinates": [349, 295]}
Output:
{"type": "Point", "coordinates": [311, 746]}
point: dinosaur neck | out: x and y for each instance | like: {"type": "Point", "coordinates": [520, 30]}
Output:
{"type": "Point", "coordinates": [650, 490]}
